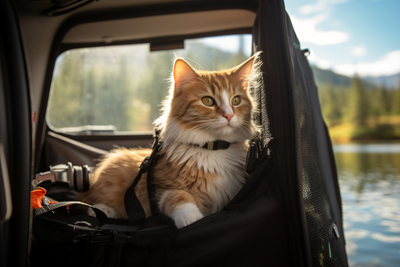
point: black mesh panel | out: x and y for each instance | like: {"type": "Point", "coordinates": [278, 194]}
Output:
{"type": "Point", "coordinates": [315, 165]}
{"type": "Point", "coordinates": [260, 114]}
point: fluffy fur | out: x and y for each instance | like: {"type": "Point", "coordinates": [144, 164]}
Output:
{"type": "Point", "coordinates": [190, 181]}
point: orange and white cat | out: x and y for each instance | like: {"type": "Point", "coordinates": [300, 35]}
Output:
{"type": "Point", "coordinates": [190, 181]}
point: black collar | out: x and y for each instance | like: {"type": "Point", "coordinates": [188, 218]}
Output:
{"type": "Point", "coordinates": [215, 145]}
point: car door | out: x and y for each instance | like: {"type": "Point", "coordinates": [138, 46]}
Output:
{"type": "Point", "coordinates": [15, 143]}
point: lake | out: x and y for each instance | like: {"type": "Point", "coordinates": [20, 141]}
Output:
{"type": "Point", "coordinates": [369, 177]}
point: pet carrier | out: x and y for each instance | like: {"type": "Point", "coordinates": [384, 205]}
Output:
{"type": "Point", "coordinates": [287, 214]}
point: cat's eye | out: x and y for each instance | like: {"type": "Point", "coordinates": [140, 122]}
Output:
{"type": "Point", "coordinates": [236, 100]}
{"type": "Point", "coordinates": [208, 101]}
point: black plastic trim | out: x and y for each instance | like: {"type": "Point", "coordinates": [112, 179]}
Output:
{"type": "Point", "coordinates": [15, 232]}
{"type": "Point", "coordinates": [170, 39]}
{"type": "Point", "coordinates": [104, 137]}
{"type": "Point", "coordinates": [61, 8]}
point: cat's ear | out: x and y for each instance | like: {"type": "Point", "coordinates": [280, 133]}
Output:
{"type": "Point", "coordinates": [183, 72]}
{"type": "Point", "coordinates": [243, 71]}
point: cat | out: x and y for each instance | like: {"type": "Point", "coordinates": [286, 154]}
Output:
{"type": "Point", "coordinates": [190, 181]}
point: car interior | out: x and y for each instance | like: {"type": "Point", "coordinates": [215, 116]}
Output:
{"type": "Point", "coordinates": [79, 78]}
{"type": "Point", "coordinates": [45, 29]}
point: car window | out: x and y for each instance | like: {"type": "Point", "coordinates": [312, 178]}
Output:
{"type": "Point", "coordinates": [119, 89]}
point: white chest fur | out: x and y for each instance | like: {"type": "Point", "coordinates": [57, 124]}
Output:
{"type": "Point", "coordinates": [226, 165]}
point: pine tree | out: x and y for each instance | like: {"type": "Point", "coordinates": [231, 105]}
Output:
{"type": "Point", "coordinates": [358, 106]}
{"type": "Point", "coordinates": [330, 105]}
{"type": "Point", "coordinates": [395, 108]}
{"type": "Point", "coordinates": [378, 100]}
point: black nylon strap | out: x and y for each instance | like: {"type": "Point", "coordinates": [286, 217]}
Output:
{"type": "Point", "coordinates": [151, 189]}
{"type": "Point", "coordinates": [100, 215]}
{"type": "Point", "coordinates": [133, 207]}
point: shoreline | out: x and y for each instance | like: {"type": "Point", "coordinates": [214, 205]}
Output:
{"type": "Point", "coordinates": [365, 140]}
{"type": "Point", "coordinates": [374, 130]}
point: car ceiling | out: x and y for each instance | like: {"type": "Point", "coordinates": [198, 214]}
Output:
{"type": "Point", "coordinates": [160, 26]}
{"type": "Point", "coordinates": [112, 21]}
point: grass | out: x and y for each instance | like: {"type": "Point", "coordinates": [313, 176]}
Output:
{"type": "Point", "coordinates": [382, 128]}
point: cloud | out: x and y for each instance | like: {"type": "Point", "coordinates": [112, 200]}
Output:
{"type": "Point", "coordinates": [312, 8]}
{"type": "Point", "coordinates": [357, 216]}
{"type": "Point", "coordinates": [359, 50]}
{"type": "Point", "coordinates": [389, 64]}
{"type": "Point", "coordinates": [321, 63]}
{"type": "Point", "coordinates": [230, 43]}
{"type": "Point", "coordinates": [386, 239]}
{"type": "Point", "coordinates": [356, 234]}
{"type": "Point", "coordinates": [320, 6]}
{"type": "Point", "coordinates": [393, 226]}
{"type": "Point", "coordinates": [306, 30]}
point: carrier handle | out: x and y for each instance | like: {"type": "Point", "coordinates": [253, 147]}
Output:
{"type": "Point", "coordinates": [100, 215]}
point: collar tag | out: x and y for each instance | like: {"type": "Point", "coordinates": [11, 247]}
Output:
{"type": "Point", "coordinates": [210, 146]}
{"type": "Point", "coordinates": [216, 145]}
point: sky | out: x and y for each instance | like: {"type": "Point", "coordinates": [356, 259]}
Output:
{"type": "Point", "coordinates": [349, 36]}
{"type": "Point", "coordinates": [230, 43]}
{"type": "Point", "coordinates": [345, 36]}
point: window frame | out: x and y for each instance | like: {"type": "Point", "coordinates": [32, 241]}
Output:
{"type": "Point", "coordinates": [121, 135]}
{"type": "Point", "coordinates": [58, 47]}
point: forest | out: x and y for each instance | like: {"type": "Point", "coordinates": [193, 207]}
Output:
{"type": "Point", "coordinates": [122, 88]}
{"type": "Point", "coordinates": [360, 110]}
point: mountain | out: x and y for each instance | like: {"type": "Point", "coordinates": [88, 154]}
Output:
{"type": "Point", "coordinates": [392, 81]}
{"type": "Point", "coordinates": [327, 76]}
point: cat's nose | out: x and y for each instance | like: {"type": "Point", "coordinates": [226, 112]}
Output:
{"type": "Point", "coordinates": [228, 113]}
{"type": "Point", "coordinates": [228, 117]}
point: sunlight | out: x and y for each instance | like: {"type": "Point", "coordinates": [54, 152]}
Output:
{"type": "Point", "coordinates": [231, 43]}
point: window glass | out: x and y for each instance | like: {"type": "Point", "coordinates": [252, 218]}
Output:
{"type": "Point", "coordinates": [115, 89]}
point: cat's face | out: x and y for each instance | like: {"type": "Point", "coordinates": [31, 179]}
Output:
{"type": "Point", "coordinates": [207, 106]}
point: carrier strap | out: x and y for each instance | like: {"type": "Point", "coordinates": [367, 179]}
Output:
{"type": "Point", "coordinates": [133, 207]}
{"type": "Point", "coordinates": [100, 215]}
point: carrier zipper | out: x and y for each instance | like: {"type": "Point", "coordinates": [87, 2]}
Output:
{"type": "Point", "coordinates": [96, 236]}
{"type": "Point", "coordinates": [84, 228]}
{"type": "Point", "coordinates": [335, 230]}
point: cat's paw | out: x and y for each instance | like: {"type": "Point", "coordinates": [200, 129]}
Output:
{"type": "Point", "coordinates": [110, 212]}
{"type": "Point", "coordinates": [186, 214]}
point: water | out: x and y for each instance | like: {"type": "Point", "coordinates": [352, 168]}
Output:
{"type": "Point", "coordinates": [369, 177]}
